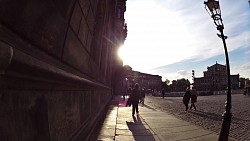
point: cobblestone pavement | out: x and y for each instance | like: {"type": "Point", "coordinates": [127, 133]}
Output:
{"type": "Point", "coordinates": [209, 112]}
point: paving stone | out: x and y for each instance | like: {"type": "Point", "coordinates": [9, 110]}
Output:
{"type": "Point", "coordinates": [176, 129]}
{"type": "Point", "coordinates": [150, 125]}
{"type": "Point", "coordinates": [185, 135]}
{"type": "Point", "coordinates": [136, 126]}
{"type": "Point", "coordinates": [107, 132]}
{"type": "Point", "coordinates": [104, 138]}
{"type": "Point", "coordinates": [209, 113]}
{"type": "Point", "coordinates": [136, 138]}
{"type": "Point", "coordinates": [134, 132]}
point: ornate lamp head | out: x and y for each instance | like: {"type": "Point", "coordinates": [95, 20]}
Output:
{"type": "Point", "coordinates": [213, 9]}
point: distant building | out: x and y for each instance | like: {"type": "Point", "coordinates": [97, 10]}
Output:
{"type": "Point", "coordinates": [147, 81]}
{"type": "Point", "coordinates": [215, 79]}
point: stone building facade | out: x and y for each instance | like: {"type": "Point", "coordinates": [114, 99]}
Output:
{"type": "Point", "coordinates": [215, 79]}
{"type": "Point", "coordinates": [58, 63]}
{"type": "Point", "coordinates": [147, 81]}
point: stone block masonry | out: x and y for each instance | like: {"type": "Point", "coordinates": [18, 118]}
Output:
{"type": "Point", "coordinates": [56, 67]}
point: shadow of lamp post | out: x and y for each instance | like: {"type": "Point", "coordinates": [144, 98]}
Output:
{"type": "Point", "coordinates": [213, 8]}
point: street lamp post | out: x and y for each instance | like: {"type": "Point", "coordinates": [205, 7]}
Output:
{"type": "Point", "coordinates": [213, 8]}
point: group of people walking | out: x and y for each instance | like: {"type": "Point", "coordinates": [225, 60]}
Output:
{"type": "Point", "coordinates": [186, 98]}
{"type": "Point", "coordinates": [137, 96]}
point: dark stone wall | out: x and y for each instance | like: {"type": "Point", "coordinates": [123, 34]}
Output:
{"type": "Point", "coordinates": [37, 21]}
{"type": "Point", "coordinates": [51, 115]}
{"type": "Point", "coordinates": [73, 32]}
{"type": "Point", "coordinates": [56, 67]}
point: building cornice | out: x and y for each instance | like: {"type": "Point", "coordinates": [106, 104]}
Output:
{"type": "Point", "coordinates": [18, 67]}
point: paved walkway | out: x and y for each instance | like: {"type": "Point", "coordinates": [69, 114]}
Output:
{"type": "Point", "coordinates": [149, 125]}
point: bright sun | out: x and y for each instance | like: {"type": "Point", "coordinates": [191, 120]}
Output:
{"type": "Point", "coordinates": [121, 52]}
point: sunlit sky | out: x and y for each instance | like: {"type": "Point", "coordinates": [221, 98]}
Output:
{"type": "Point", "coordinates": [171, 38]}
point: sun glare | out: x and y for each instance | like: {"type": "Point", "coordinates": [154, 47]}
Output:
{"type": "Point", "coordinates": [121, 53]}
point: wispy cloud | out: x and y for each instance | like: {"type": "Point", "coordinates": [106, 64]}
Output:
{"type": "Point", "coordinates": [164, 32]}
{"type": "Point", "coordinates": [247, 52]}
{"type": "Point", "coordinates": [243, 70]}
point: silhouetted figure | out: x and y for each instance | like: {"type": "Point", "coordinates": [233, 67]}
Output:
{"type": "Point", "coordinates": [123, 95]}
{"type": "Point", "coordinates": [129, 91]}
{"type": "Point", "coordinates": [193, 100]}
{"type": "Point", "coordinates": [186, 97]}
{"type": "Point", "coordinates": [129, 101]}
{"type": "Point", "coordinates": [135, 97]}
{"type": "Point", "coordinates": [143, 92]}
{"type": "Point", "coordinates": [163, 93]}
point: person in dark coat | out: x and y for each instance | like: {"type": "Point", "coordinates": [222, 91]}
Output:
{"type": "Point", "coordinates": [143, 94]}
{"type": "Point", "coordinates": [135, 97]}
{"type": "Point", "coordinates": [163, 93]}
{"type": "Point", "coordinates": [193, 99]}
{"type": "Point", "coordinates": [186, 97]}
{"type": "Point", "coordinates": [129, 103]}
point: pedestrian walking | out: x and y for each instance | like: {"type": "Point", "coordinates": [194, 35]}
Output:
{"type": "Point", "coordinates": [193, 99]}
{"type": "Point", "coordinates": [163, 93]}
{"type": "Point", "coordinates": [129, 91]}
{"type": "Point", "coordinates": [129, 101]}
{"type": "Point", "coordinates": [186, 98]}
{"type": "Point", "coordinates": [135, 97]}
{"type": "Point", "coordinates": [143, 92]}
{"type": "Point", "coordinates": [123, 94]}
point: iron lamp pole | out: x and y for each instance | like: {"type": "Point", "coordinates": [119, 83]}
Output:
{"type": "Point", "coordinates": [213, 8]}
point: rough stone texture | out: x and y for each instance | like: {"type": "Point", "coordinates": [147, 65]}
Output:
{"type": "Point", "coordinates": [38, 21]}
{"type": "Point", "coordinates": [51, 86]}
{"type": "Point", "coordinates": [75, 54]}
{"type": "Point", "coordinates": [149, 125]}
{"type": "Point", "coordinates": [6, 55]}
{"type": "Point", "coordinates": [209, 112]}
{"type": "Point", "coordinates": [83, 34]}
{"type": "Point", "coordinates": [50, 115]}
{"type": "Point", "coordinates": [76, 18]}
